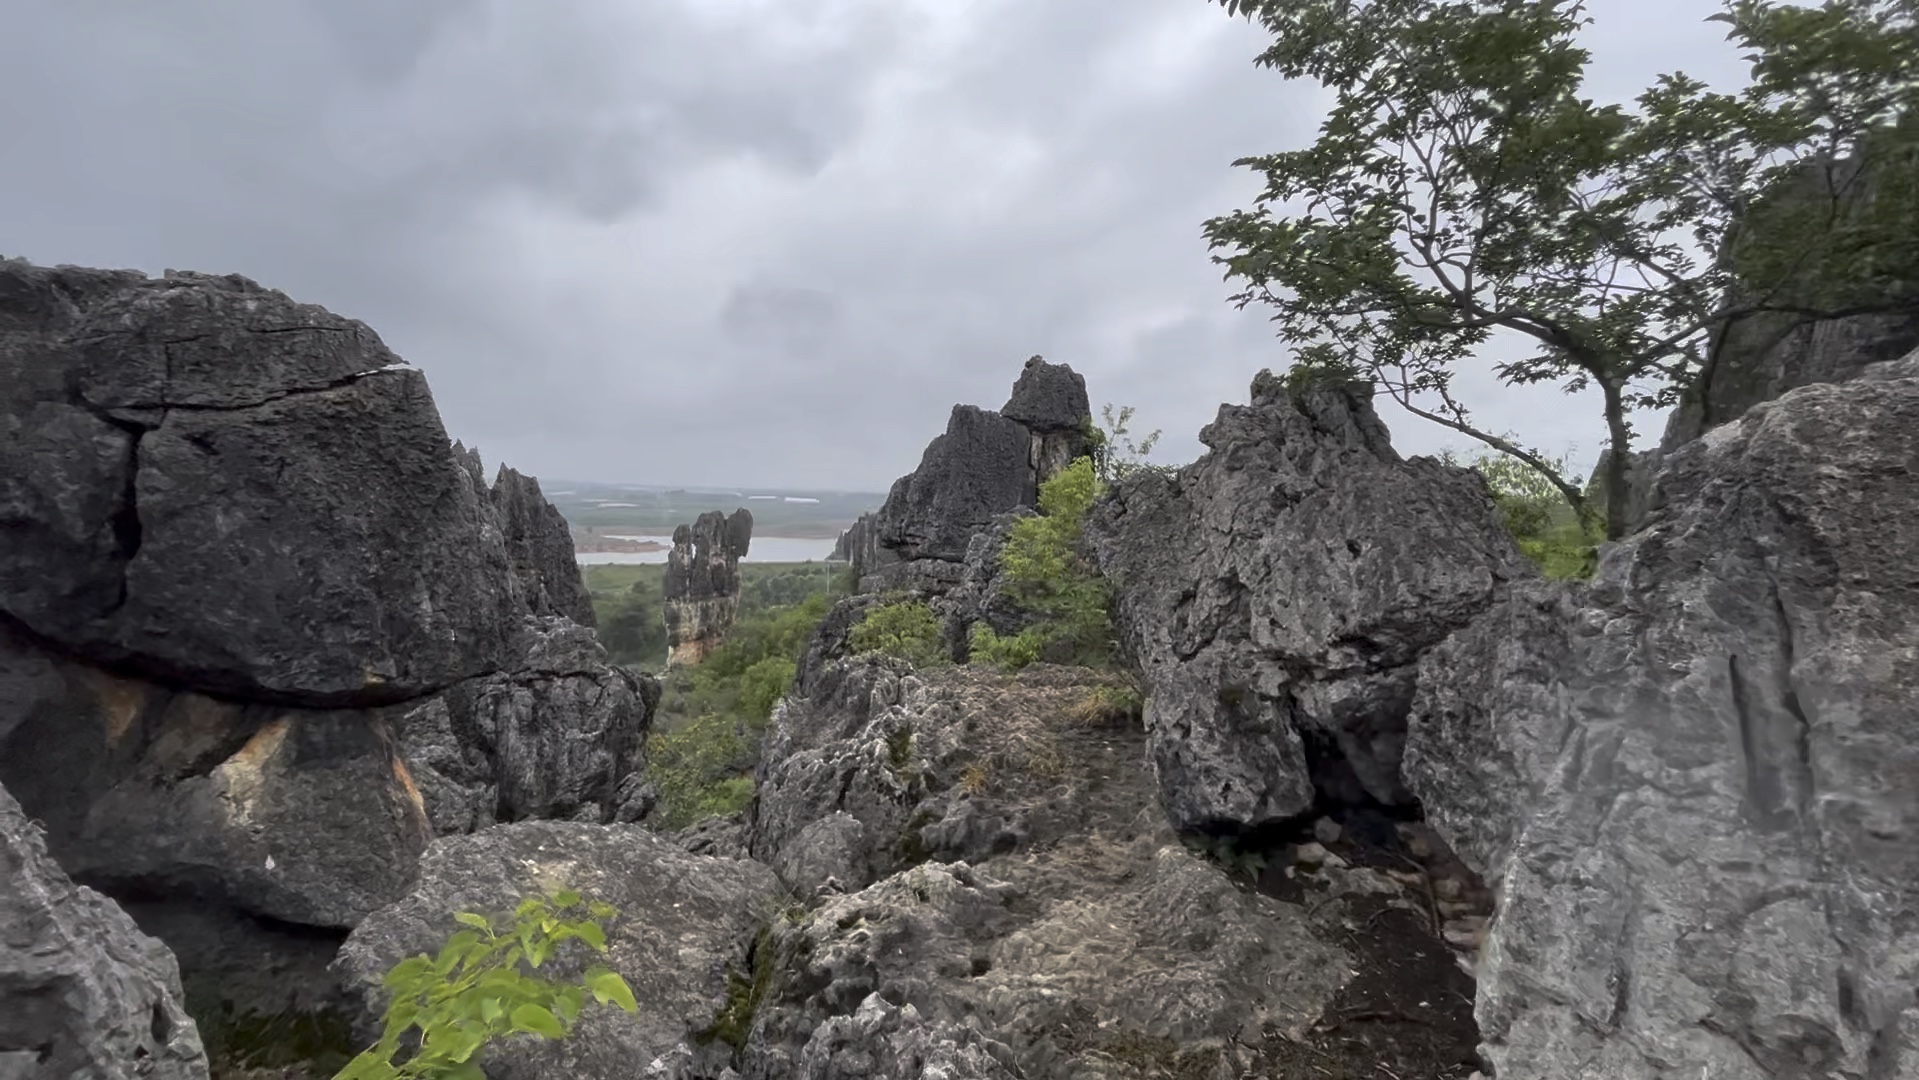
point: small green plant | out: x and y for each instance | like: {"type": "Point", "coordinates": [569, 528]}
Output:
{"type": "Point", "coordinates": [1046, 571]}
{"type": "Point", "coordinates": [1109, 703]}
{"type": "Point", "coordinates": [479, 989]}
{"type": "Point", "coordinates": [1009, 652]}
{"type": "Point", "coordinates": [907, 629]}
{"type": "Point", "coordinates": [1116, 455]}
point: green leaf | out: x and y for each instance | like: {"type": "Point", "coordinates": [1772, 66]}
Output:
{"type": "Point", "coordinates": [468, 918]}
{"type": "Point", "coordinates": [537, 1021]}
{"type": "Point", "coordinates": [566, 898]}
{"type": "Point", "coordinates": [593, 936]}
{"type": "Point", "coordinates": [461, 1070]}
{"type": "Point", "coordinates": [610, 989]}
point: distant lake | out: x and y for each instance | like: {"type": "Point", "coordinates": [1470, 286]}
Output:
{"type": "Point", "coordinates": [762, 549]}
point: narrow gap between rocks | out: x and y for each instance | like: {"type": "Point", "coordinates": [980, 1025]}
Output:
{"type": "Point", "coordinates": [1408, 1010]}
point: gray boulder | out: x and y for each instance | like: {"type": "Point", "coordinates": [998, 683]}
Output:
{"type": "Point", "coordinates": [82, 991]}
{"type": "Point", "coordinates": [248, 836]}
{"type": "Point", "coordinates": [1278, 594]}
{"type": "Point", "coordinates": [995, 889]}
{"type": "Point", "coordinates": [137, 404]}
{"type": "Point", "coordinates": [240, 549]}
{"type": "Point", "coordinates": [1697, 794]}
{"type": "Point", "coordinates": [686, 922]}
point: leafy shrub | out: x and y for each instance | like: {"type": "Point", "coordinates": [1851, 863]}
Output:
{"type": "Point", "coordinates": [714, 713]}
{"type": "Point", "coordinates": [1011, 652]}
{"type": "Point", "coordinates": [478, 989]}
{"type": "Point", "coordinates": [1542, 525]}
{"type": "Point", "coordinates": [698, 769]}
{"type": "Point", "coordinates": [1046, 571]}
{"type": "Point", "coordinates": [907, 629]}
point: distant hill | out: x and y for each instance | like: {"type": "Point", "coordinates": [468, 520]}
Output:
{"type": "Point", "coordinates": [652, 508]}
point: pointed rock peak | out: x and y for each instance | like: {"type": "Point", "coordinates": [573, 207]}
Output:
{"type": "Point", "coordinates": [1049, 398]}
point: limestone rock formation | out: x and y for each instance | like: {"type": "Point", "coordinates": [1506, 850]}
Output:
{"type": "Point", "coordinates": [540, 545]}
{"type": "Point", "coordinates": [220, 824]}
{"type": "Point", "coordinates": [686, 922]}
{"type": "Point", "coordinates": [702, 583]}
{"type": "Point", "coordinates": [240, 551]}
{"type": "Point", "coordinates": [986, 464]}
{"type": "Point", "coordinates": [1695, 777]}
{"type": "Point", "coordinates": [1278, 594]}
{"type": "Point", "coordinates": [82, 991]}
{"type": "Point", "coordinates": [562, 736]}
{"type": "Point", "coordinates": [150, 432]}
{"type": "Point", "coordinates": [994, 887]}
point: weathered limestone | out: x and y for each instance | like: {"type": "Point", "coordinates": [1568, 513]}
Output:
{"type": "Point", "coordinates": [985, 465]}
{"type": "Point", "coordinates": [82, 991]}
{"type": "Point", "coordinates": [239, 552]}
{"type": "Point", "coordinates": [702, 583]}
{"type": "Point", "coordinates": [1278, 594]}
{"type": "Point", "coordinates": [1696, 778]}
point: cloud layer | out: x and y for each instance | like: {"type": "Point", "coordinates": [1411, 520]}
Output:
{"type": "Point", "coordinates": [711, 241]}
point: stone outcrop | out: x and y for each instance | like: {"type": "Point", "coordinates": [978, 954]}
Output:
{"type": "Point", "coordinates": [1761, 355]}
{"type": "Point", "coordinates": [1278, 595]}
{"type": "Point", "coordinates": [539, 544]}
{"type": "Point", "coordinates": [686, 923]}
{"type": "Point", "coordinates": [702, 583]}
{"type": "Point", "coordinates": [1694, 778]}
{"type": "Point", "coordinates": [994, 888]}
{"type": "Point", "coordinates": [563, 735]}
{"type": "Point", "coordinates": [82, 991]}
{"type": "Point", "coordinates": [986, 464]}
{"type": "Point", "coordinates": [241, 557]}
{"type": "Point", "coordinates": [1688, 779]}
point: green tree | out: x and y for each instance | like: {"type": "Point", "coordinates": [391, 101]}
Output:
{"type": "Point", "coordinates": [445, 1009]}
{"type": "Point", "coordinates": [1461, 186]}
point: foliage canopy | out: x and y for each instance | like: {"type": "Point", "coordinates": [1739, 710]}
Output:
{"type": "Point", "coordinates": [1461, 187]}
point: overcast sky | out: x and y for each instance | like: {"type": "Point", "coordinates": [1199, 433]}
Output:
{"type": "Point", "coordinates": [765, 242]}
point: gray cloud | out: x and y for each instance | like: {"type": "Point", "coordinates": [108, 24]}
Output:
{"type": "Point", "coordinates": [710, 241]}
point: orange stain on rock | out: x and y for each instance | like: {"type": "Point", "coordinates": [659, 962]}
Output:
{"type": "Point", "coordinates": [121, 701]}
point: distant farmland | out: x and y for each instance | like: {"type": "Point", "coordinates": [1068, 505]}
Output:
{"type": "Point", "coordinates": [655, 510]}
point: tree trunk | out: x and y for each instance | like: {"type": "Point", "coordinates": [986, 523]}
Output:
{"type": "Point", "coordinates": [1619, 461]}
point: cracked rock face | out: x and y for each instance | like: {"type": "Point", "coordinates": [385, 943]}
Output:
{"type": "Point", "coordinates": [239, 549]}
{"type": "Point", "coordinates": [1278, 594]}
{"type": "Point", "coordinates": [151, 433]}
{"type": "Point", "coordinates": [1702, 790]}
{"type": "Point", "coordinates": [82, 991]}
